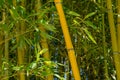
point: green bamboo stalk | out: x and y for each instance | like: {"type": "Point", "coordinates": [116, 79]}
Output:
{"type": "Point", "coordinates": [6, 50]}
{"type": "Point", "coordinates": [113, 38]}
{"type": "Point", "coordinates": [20, 48]}
{"type": "Point", "coordinates": [6, 56]}
{"type": "Point", "coordinates": [1, 48]}
{"type": "Point", "coordinates": [43, 41]}
{"type": "Point", "coordinates": [104, 47]}
{"type": "Point", "coordinates": [105, 51]}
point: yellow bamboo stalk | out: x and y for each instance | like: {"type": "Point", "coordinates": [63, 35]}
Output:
{"type": "Point", "coordinates": [118, 30]}
{"type": "Point", "coordinates": [118, 24]}
{"type": "Point", "coordinates": [43, 41]}
{"type": "Point", "coordinates": [71, 52]}
{"type": "Point", "coordinates": [113, 38]}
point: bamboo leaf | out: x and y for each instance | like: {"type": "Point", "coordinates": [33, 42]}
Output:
{"type": "Point", "coordinates": [43, 51]}
{"type": "Point", "coordinates": [73, 13]}
{"type": "Point", "coordinates": [76, 22]}
{"type": "Point", "coordinates": [33, 65]}
{"type": "Point", "coordinates": [58, 76]}
{"type": "Point", "coordinates": [14, 14]}
{"type": "Point", "coordinates": [89, 35]}
{"type": "Point", "coordinates": [40, 53]}
{"type": "Point", "coordinates": [49, 27]}
{"type": "Point", "coordinates": [17, 68]}
{"type": "Point", "coordinates": [89, 23]}
{"type": "Point", "coordinates": [89, 15]}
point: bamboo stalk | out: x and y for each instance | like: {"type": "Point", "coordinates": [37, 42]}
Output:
{"type": "Point", "coordinates": [113, 38]}
{"type": "Point", "coordinates": [118, 24]}
{"type": "Point", "coordinates": [43, 41]}
{"type": "Point", "coordinates": [105, 51]}
{"type": "Point", "coordinates": [20, 48]}
{"type": "Point", "coordinates": [5, 48]}
{"type": "Point", "coordinates": [118, 31]}
{"type": "Point", "coordinates": [69, 46]}
{"type": "Point", "coordinates": [104, 47]}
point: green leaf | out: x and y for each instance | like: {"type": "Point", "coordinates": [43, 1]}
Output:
{"type": "Point", "coordinates": [22, 11]}
{"type": "Point", "coordinates": [40, 53]}
{"type": "Point", "coordinates": [43, 51]}
{"type": "Point", "coordinates": [17, 68]}
{"type": "Point", "coordinates": [45, 35]}
{"type": "Point", "coordinates": [14, 47]}
{"type": "Point", "coordinates": [76, 22]}
{"type": "Point", "coordinates": [33, 65]}
{"type": "Point", "coordinates": [1, 3]}
{"type": "Point", "coordinates": [73, 13]}
{"type": "Point", "coordinates": [89, 23]}
{"type": "Point", "coordinates": [9, 2]}
{"type": "Point", "coordinates": [58, 76]}
{"type": "Point", "coordinates": [14, 14]}
{"type": "Point", "coordinates": [89, 15]}
{"type": "Point", "coordinates": [89, 35]}
{"type": "Point", "coordinates": [49, 27]}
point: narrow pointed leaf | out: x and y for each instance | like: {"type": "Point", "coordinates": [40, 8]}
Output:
{"type": "Point", "coordinates": [89, 23]}
{"type": "Point", "coordinates": [89, 35]}
{"type": "Point", "coordinates": [73, 13]}
{"type": "Point", "coordinates": [89, 15]}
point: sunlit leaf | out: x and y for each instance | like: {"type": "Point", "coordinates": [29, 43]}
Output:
{"type": "Point", "coordinates": [22, 11]}
{"type": "Point", "coordinates": [48, 62]}
{"type": "Point", "coordinates": [73, 13]}
{"type": "Point", "coordinates": [76, 22]}
{"type": "Point", "coordinates": [89, 15]}
{"type": "Point", "coordinates": [40, 53]}
{"type": "Point", "coordinates": [58, 76]}
{"type": "Point", "coordinates": [33, 65]}
{"type": "Point", "coordinates": [89, 35]}
{"type": "Point", "coordinates": [43, 51]}
{"type": "Point", "coordinates": [17, 68]}
{"type": "Point", "coordinates": [14, 14]}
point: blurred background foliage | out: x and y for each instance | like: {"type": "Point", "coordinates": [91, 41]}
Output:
{"type": "Point", "coordinates": [89, 31]}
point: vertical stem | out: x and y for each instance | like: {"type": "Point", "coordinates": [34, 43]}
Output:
{"type": "Point", "coordinates": [43, 41]}
{"type": "Point", "coordinates": [113, 38]}
{"type": "Point", "coordinates": [71, 52]}
{"type": "Point", "coordinates": [20, 48]}
{"type": "Point", "coordinates": [105, 51]}
{"type": "Point", "coordinates": [1, 40]}
{"type": "Point", "coordinates": [104, 48]}
{"type": "Point", "coordinates": [6, 55]}
{"type": "Point", "coordinates": [118, 24]}
{"type": "Point", "coordinates": [6, 50]}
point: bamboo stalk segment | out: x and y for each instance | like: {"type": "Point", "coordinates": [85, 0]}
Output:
{"type": "Point", "coordinates": [113, 38]}
{"type": "Point", "coordinates": [70, 49]}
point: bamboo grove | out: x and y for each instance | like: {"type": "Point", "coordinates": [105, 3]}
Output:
{"type": "Point", "coordinates": [59, 39]}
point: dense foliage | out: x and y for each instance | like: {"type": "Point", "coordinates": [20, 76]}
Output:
{"type": "Point", "coordinates": [26, 26]}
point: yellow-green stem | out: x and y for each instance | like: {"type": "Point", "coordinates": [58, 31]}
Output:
{"type": "Point", "coordinates": [113, 38]}
{"type": "Point", "coordinates": [69, 46]}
